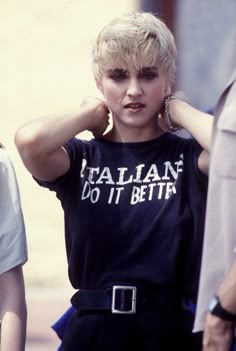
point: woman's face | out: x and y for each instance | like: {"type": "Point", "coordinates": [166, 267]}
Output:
{"type": "Point", "coordinates": [134, 97]}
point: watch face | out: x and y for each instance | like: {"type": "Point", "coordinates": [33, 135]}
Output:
{"type": "Point", "coordinates": [214, 301]}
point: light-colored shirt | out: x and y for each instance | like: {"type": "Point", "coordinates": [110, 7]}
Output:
{"type": "Point", "coordinates": [220, 228]}
{"type": "Point", "coordinates": [13, 246]}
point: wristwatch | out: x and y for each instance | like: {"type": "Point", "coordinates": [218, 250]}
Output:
{"type": "Point", "coordinates": [216, 309]}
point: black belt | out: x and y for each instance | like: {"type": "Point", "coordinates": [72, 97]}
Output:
{"type": "Point", "coordinates": [123, 300]}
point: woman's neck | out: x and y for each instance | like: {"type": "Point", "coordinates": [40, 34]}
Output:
{"type": "Point", "coordinates": [133, 135]}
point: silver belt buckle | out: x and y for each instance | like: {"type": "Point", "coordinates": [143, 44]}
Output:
{"type": "Point", "coordinates": [115, 288]}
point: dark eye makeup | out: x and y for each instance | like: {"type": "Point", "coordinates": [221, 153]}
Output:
{"type": "Point", "coordinates": [118, 74]}
{"type": "Point", "coordinates": [146, 73]}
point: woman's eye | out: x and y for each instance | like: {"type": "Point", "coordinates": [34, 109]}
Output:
{"type": "Point", "coordinates": [148, 76]}
{"type": "Point", "coordinates": [118, 76]}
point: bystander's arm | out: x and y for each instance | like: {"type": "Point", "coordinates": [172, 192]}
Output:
{"type": "Point", "coordinates": [13, 311]}
{"type": "Point", "coordinates": [227, 290]}
{"type": "Point", "coordinates": [218, 331]}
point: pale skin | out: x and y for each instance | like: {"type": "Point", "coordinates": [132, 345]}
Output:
{"type": "Point", "coordinates": [198, 124]}
{"type": "Point", "coordinates": [133, 98]}
{"type": "Point", "coordinates": [13, 311]}
{"type": "Point", "coordinates": [218, 333]}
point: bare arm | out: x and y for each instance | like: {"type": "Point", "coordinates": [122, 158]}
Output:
{"type": "Point", "coordinates": [13, 312]}
{"type": "Point", "coordinates": [40, 141]}
{"type": "Point", "coordinates": [197, 123]}
{"type": "Point", "coordinates": [227, 290]}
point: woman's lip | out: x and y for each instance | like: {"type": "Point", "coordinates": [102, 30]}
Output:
{"type": "Point", "coordinates": [135, 109]}
{"type": "Point", "coordinates": [134, 105]}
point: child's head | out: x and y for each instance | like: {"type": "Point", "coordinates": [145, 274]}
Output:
{"type": "Point", "coordinates": [136, 40]}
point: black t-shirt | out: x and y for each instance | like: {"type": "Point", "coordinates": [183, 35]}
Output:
{"type": "Point", "coordinates": [134, 213]}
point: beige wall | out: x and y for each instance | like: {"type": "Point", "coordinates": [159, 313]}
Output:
{"type": "Point", "coordinates": [45, 68]}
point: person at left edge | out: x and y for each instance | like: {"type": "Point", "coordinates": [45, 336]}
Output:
{"type": "Point", "coordinates": [13, 254]}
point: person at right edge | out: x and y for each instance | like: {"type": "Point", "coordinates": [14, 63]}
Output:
{"type": "Point", "coordinates": [216, 306]}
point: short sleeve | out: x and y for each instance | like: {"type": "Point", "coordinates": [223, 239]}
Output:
{"type": "Point", "coordinates": [74, 149]}
{"type": "Point", "coordinates": [13, 246]}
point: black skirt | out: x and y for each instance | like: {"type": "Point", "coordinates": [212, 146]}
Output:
{"type": "Point", "coordinates": [147, 331]}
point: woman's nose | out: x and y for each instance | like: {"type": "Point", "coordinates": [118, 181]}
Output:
{"type": "Point", "coordinates": [134, 88]}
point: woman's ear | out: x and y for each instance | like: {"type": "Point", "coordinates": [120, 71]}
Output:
{"type": "Point", "coordinates": [168, 87]}
{"type": "Point", "coordinates": [167, 90]}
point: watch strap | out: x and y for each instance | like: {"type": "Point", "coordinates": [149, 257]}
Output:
{"type": "Point", "coordinates": [217, 310]}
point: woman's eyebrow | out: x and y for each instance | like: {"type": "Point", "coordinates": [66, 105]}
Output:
{"type": "Point", "coordinates": [116, 70]}
{"type": "Point", "coordinates": [148, 69]}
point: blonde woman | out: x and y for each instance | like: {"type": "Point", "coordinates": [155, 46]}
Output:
{"type": "Point", "coordinates": [133, 197]}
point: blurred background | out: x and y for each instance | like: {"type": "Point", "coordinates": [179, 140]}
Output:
{"type": "Point", "coordinates": [45, 68]}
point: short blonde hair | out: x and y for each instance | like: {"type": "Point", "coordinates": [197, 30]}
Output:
{"type": "Point", "coordinates": [136, 40]}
